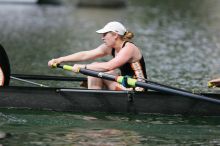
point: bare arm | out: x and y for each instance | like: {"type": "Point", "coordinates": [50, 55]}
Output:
{"type": "Point", "coordinates": [214, 83]}
{"type": "Point", "coordinates": [82, 56]}
{"type": "Point", "coordinates": [215, 80]}
{"type": "Point", "coordinates": [122, 57]}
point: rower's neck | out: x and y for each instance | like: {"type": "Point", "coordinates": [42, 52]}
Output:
{"type": "Point", "coordinates": [118, 45]}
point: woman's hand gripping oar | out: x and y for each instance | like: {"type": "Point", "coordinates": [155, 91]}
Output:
{"type": "Point", "coordinates": [214, 83]}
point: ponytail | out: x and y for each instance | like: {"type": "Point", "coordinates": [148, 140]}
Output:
{"type": "Point", "coordinates": [128, 36]}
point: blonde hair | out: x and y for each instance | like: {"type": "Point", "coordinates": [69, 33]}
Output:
{"type": "Point", "coordinates": [128, 36]}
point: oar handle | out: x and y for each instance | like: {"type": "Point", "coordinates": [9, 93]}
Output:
{"type": "Point", "coordinates": [210, 85]}
{"type": "Point", "coordinates": [65, 67]}
{"type": "Point", "coordinates": [87, 72]}
{"type": "Point", "coordinates": [214, 84]}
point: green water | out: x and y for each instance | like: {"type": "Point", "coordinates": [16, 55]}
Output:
{"type": "Point", "coordinates": [179, 39]}
{"type": "Point", "coordinates": [52, 128]}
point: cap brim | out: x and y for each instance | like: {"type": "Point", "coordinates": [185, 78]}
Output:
{"type": "Point", "coordinates": [102, 31]}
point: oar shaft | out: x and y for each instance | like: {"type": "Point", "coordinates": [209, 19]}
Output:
{"type": "Point", "coordinates": [48, 77]}
{"type": "Point", "coordinates": [89, 72]}
{"type": "Point", "coordinates": [178, 92]}
{"type": "Point", "coordinates": [134, 83]}
{"type": "Point", "coordinates": [98, 74]}
{"type": "Point", "coordinates": [27, 81]}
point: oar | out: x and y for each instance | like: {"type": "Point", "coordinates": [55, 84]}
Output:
{"type": "Point", "coordinates": [159, 84]}
{"type": "Point", "coordinates": [135, 83]}
{"type": "Point", "coordinates": [48, 77]}
{"type": "Point", "coordinates": [27, 81]}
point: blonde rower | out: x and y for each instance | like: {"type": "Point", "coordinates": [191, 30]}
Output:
{"type": "Point", "coordinates": [127, 57]}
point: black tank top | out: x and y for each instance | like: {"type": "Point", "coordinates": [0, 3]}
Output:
{"type": "Point", "coordinates": [135, 69]}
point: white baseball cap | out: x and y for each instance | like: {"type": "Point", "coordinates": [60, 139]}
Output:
{"type": "Point", "coordinates": [114, 26]}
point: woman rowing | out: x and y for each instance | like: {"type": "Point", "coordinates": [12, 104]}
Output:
{"type": "Point", "coordinates": [126, 56]}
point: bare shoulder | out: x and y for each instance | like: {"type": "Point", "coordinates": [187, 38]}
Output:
{"type": "Point", "coordinates": [134, 51]}
{"type": "Point", "coordinates": [104, 48]}
{"type": "Point", "coordinates": [131, 46]}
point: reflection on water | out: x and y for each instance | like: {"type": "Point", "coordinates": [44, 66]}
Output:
{"type": "Point", "coordinates": [52, 128]}
{"type": "Point", "coordinates": [107, 137]}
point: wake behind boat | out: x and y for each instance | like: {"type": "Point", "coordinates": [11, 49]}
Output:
{"type": "Point", "coordinates": [167, 101]}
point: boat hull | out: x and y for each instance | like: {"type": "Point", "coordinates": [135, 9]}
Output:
{"type": "Point", "coordinates": [84, 100]}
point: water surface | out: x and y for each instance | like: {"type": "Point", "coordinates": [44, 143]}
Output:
{"type": "Point", "coordinates": [179, 39]}
{"type": "Point", "coordinates": [54, 128]}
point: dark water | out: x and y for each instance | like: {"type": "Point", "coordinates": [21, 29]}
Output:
{"type": "Point", "coordinates": [51, 128]}
{"type": "Point", "coordinates": [179, 39]}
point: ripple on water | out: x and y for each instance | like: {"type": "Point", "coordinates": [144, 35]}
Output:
{"type": "Point", "coordinates": [9, 119]}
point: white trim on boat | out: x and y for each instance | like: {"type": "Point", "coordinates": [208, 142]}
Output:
{"type": "Point", "coordinates": [19, 1]}
{"type": "Point", "coordinates": [93, 91]}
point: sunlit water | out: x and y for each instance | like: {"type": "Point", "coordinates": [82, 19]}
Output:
{"type": "Point", "coordinates": [179, 39]}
